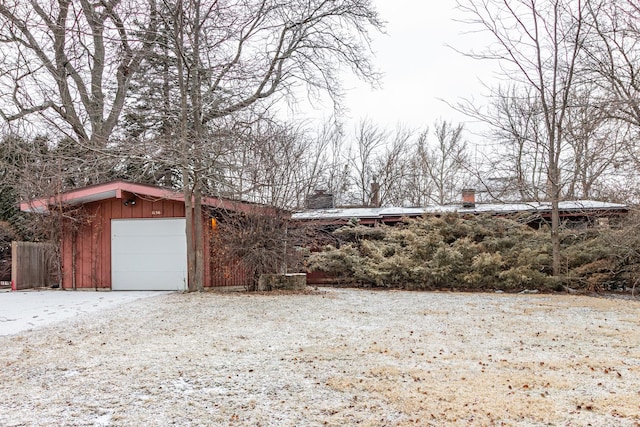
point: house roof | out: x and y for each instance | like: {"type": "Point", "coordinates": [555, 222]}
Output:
{"type": "Point", "coordinates": [120, 190]}
{"type": "Point", "coordinates": [567, 207]}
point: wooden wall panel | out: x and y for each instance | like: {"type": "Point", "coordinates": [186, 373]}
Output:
{"type": "Point", "coordinates": [105, 274]}
{"type": "Point", "coordinates": [93, 240]}
{"type": "Point", "coordinates": [83, 259]}
{"type": "Point", "coordinates": [223, 270]}
{"type": "Point", "coordinates": [225, 273]}
{"type": "Point", "coordinates": [206, 252]}
{"type": "Point", "coordinates": [65, 251]}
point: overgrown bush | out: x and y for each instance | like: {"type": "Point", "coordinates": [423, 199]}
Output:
{"type": "Point", "coordinates": [480, 253]}
{"type": "Point", "coordinates": [611, 259]}
{"type": "Point", "coordinates": [257, 243]}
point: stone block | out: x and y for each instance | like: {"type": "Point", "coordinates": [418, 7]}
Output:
{"type": "Point", "coordinates": [289, 282]}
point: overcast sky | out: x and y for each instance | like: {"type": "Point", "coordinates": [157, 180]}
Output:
{"type": "Point", "coordinates": [418, 66]}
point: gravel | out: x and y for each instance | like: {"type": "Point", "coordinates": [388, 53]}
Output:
{"type": "Point", "coordinates": [330, 357]}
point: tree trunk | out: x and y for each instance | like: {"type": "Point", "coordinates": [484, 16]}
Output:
{"type": "Point", "coordinates": [185, 147]}
{"type": "Point", "coordinates": [188, 213]}
{"type": "Point", "coordinates": [198, 237]}
{"type": "Point", "coordinates": [553, 191]}
{"type": "Point", "coordinates": [555, 235]}
{"type": "Point", "coordinates": [198, 137]}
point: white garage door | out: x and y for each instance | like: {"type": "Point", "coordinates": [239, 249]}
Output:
{"type": "Point", "coordinates": [148, 254]}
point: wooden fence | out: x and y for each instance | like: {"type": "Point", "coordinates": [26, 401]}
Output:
{"type": "Point", "coordinates": [32, 265]}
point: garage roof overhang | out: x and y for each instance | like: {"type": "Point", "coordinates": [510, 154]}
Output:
{"type": "Point", "coordinates": [124, 190]}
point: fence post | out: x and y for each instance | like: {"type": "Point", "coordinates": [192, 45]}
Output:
{"type": "Point", "coordinates": [14, 266]}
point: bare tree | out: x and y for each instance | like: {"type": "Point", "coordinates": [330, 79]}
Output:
{"type": "Point", "coordinates": [539, 45]}
{"type": "Point", "coordinates": [404, 166]}
{"type": "Point", "coordinates": [417, 186]}
{"type": "Point", "coordinates": [69, 63]}
{"type": "Point", "coordinates": [335, 173]}
{"type": "Point", "coordinates": [65, 71]}
{"type": "Point", "coordinates": [434, 166]}
{"type": "Point", "coordinates": [33, 168]}
{"type": "Point", "coordinates": [596, 148]}
{"type": "Point", "coordinates": [369, 139]}
{"type": "Point", "coordinates": [259, 243]}
{"type": "Point", "coordinates": [517, 162]}
{"type": "Point", "coordinates": [391, 167]}
{"type": "Point", "coordinates": [228, 56]}
{"type": "Point", "coordinates": [613, 59]}
{"type": "Point", "coordinates": [274, 164]}
{"type": "Point", "coordinates": [612, 55]}
{"type": "Point", "coordinates": [444, 162]}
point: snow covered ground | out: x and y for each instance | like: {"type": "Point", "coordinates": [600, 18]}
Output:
{"type": "Point", "coordinates": [333, 357]}
{"type": "Point", "coordinates": [23, 310]}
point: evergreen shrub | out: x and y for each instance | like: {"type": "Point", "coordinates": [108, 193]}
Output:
{"type": "Point", "coordinates": [480, 253]}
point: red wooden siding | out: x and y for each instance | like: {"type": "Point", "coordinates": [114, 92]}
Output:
{"type": "Point", "coordinates": [222, 270]}
{"type": "Point", "coordinates": [228, 274]}
{"type": "Point", "coordinates": [93, 238]}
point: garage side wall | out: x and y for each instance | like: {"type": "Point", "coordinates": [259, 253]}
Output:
{"type": "Point", "coordinates": [91, 232]}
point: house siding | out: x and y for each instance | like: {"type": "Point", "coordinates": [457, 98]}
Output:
{"type": "Point", "coordinates": [93, 238]}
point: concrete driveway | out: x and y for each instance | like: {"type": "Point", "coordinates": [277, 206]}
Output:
{"type": "Point", "coordinates": [30, 309]}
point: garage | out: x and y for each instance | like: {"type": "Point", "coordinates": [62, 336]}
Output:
{"type": "Point", "coordinates": [148, 254]}
{"type": "Point", "coordinates": [129, 236]}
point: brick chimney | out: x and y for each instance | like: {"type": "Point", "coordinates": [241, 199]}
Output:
{"type": "Point", "coordinates": [469, 198]}
{"type": "Point", "coordinates": [375, 195]}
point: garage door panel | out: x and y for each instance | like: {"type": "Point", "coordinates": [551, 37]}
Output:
{"type": "Point", "coordinates": [151, 280]}
{"type": "Point", "coordinates": [148, 254]}
{"type": "Point", "coordinates": [156, 262]}
{"type": "Point", "coordinates": [155, 245]}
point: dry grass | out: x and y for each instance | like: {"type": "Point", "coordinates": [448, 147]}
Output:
{"type": "Point", "coordinates": [341, 357]}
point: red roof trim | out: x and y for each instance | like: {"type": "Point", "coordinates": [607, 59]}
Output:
{"type": "Point", "coordinates": [115, 189]}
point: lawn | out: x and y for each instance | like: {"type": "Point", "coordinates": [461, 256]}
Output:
{"type": "Point", "coordinates": [331, 357]}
